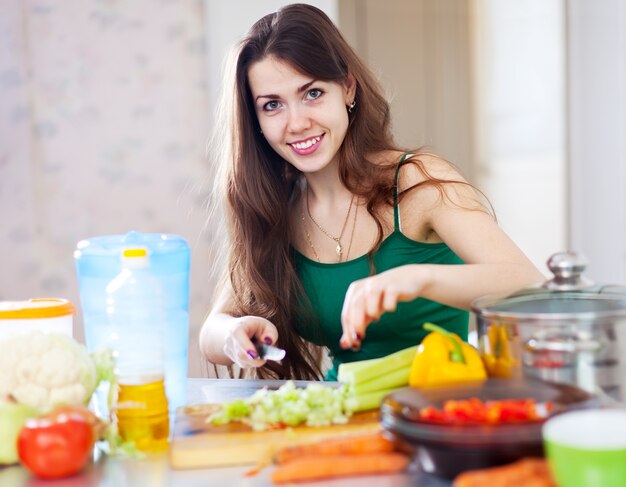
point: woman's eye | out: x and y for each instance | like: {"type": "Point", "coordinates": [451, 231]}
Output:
{"type": "Point", "coordinates": [271, 105]}
{"type": "Point", "coordinates": [314, 94]}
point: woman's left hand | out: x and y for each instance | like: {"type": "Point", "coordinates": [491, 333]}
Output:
{"type": "Point", "coordinates": [367, 299]}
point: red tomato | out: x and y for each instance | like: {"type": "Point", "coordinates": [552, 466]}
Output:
{"type": "Point", "coordinates": [55, 447]}
{"type": "Point", "coordinates": [98, 425]}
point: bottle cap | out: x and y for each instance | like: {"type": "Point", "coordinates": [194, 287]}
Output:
{"type": "Point", "coordinates": [135, 252]}
{"type": "Point", "coordinates": [135, 257]}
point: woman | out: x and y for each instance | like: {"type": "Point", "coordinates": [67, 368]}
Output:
{"type": "Point", "coordinates": [337, 237]}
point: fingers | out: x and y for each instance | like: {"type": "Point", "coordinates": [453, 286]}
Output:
{"type": "Point", "coordinates": [366, 301]}
{"type": "Point", "coordinates": [244, 356]}
{"type": "Point", "coordinates": [363, 304]}
{"type": "Point", "coordinates": [245, 351]}
{"type": "Point", "coordinates": [238, 345]}
{"type": "Point", "coordinates": [269, 335]}
{"type": "Point", "coordinates": [390, 300]}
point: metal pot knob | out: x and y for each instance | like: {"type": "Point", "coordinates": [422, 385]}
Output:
{"type": "Point", "coordinates": [567, 268]}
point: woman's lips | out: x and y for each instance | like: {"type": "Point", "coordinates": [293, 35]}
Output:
{"type": "Point", "coordinates": [306, 146]}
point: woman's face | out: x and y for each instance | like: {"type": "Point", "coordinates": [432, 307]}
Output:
{"type": "Point", "coordinates": [303, 119]}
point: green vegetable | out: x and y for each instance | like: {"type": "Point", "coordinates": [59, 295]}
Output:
{"type": "Point", "coordinates": [394, 379]}
{"type": "Point", "coordinates": [12, 416]}
{"type": "Point", "coordinates": [315, 405]}
{"type": "Point", "coordinates": [364, 370]}
{"type": "Point", "coordinates": [369, 381]}
{"type": "Point", "coordinates": [115, 444]}
{"type": "Point", "coordinates": [368, 400]}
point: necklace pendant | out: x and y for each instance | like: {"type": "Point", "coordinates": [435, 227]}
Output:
{"type": "Point", "coordinates": [339, 249]}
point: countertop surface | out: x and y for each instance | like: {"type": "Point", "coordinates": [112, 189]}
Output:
{"type": "Point", "coordinates": [155, 471]}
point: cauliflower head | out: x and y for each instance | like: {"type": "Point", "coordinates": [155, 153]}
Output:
{"type": "Point", "coordinates": [43, 370]}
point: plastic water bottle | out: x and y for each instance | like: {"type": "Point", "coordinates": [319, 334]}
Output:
{"type": "Point", "coordinates": [137, 323]}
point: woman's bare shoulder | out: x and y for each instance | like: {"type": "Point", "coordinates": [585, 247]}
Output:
{"type": "Point", "coordinates": [422, 166]}
{"type": "Point", "coordinates": [432, 182]}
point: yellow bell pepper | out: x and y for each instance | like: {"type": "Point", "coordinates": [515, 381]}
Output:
{"type": "Point", "coordinates": [443, 358]}
{"type": "Point", "coordinates": [499, 360]}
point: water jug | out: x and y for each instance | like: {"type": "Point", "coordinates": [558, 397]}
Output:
{"type": "Point", "coordinates": [98, 262]}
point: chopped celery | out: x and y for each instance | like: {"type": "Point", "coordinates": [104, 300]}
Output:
{"type": "Point", "coordinates": [364, 370]}
{"type": "Point", "coordinates": [315, 405]}
{"type": "Point", "coordinates": [395, 378]}
{"type": "Point", "coordinates": [369, 400]}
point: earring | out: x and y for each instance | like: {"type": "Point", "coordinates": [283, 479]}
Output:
{"type": "Point", "coordinates": [351, 106]}
{"type": "Point", "coordinates": [261, 131]}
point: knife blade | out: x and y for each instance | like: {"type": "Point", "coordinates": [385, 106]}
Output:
{"type": "Point", "coordinates": [268, 352]}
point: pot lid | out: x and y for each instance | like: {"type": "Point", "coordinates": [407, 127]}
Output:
{"type": "Point", "coordinates": [567, 293]}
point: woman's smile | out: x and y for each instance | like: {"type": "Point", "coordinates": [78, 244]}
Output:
{"type": "Point", "coordinates": [306, 146]}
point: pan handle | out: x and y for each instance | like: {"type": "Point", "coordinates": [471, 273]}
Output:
{"type": "Point", "coordinates": [571, 345]}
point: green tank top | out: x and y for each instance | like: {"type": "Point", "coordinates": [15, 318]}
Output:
{"type": "Point", "coordinates": [326, 285]}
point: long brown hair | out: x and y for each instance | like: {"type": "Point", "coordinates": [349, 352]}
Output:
{"type": "Point", "coordinates": [260, 186]}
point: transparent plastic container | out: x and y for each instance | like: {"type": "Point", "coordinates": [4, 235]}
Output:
{"type": "Point", "coordinates": [98, 262]}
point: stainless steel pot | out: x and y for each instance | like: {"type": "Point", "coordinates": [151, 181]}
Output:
{"type": "Point", "coordinates": [565, 330]}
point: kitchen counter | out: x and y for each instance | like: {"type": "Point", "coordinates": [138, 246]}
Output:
{"type": "Point", "coordinates": [155, 471]}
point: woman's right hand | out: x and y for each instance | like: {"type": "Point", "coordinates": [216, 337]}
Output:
{"type": "Point", "coordinates": [238, 344]}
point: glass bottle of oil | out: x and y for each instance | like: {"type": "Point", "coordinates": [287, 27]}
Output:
{"type": "Point", "coordinates": [136, 319]}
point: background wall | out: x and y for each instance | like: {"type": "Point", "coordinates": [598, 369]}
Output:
{"type": "Point", "coordinates": [596, 104]}
{"type": "Point", "coordinates": [482, 83]}
{"type": "Point", "coordinates": [103, 127]}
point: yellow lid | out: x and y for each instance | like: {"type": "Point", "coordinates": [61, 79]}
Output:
{"type": "Point", "coordinates": [35, 308]}
{"type": "Point", "coordinates": [135, 252]}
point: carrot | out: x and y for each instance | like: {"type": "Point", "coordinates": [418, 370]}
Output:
{"type": "Point", "coordinates": [255, 470]}
{"type": "Point", "coordinates": [527, 472]}
{"type": "Point", "coordinates": [342, 445]}
{"type": "Point", "coordinates": [322, 467]}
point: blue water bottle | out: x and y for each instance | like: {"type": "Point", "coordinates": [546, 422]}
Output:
{"type": "Point", "coordinates": [98, 263]}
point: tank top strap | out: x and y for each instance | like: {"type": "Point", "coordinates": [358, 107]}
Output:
{"type": "Point", "coordinates": [396, 210]}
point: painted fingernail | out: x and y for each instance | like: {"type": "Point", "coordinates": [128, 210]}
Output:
{"type": "Point", "coordinates": [252, 354]}
{"type": "Point", "coordinates": [267, 340]}
{"type": "Point", "coordinates": [358, 336]}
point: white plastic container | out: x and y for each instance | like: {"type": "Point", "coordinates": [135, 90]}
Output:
{"type": "Point", "coordinates": [45, 314]}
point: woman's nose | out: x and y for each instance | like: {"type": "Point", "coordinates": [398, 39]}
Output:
{"type": "Point", "coordinates": [298, 119]}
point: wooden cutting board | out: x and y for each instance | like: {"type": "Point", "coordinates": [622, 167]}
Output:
{"type": "Point", "coordinates": [197, 444]}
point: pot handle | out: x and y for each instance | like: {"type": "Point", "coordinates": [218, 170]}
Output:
{"type": "Point", "coordinates": [562, 345]}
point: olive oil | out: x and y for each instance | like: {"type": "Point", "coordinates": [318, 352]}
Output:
{"type": "Point", "coordinates": [142, 412]}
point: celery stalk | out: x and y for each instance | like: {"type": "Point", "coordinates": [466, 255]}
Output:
{"type": "Point", "coordinates": [369, 400]}
{"type": "Point", "coordinates": [349, 367]}
{"type": "Point", "coordinates": [364, 370]}
{"type": "Point", "coordinates": [395, 378]}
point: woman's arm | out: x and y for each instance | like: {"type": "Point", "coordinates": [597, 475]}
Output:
{"type": "Point", "coordinates": [225, 339]}
{"type": "Point", "coordinates": [493, 263]}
